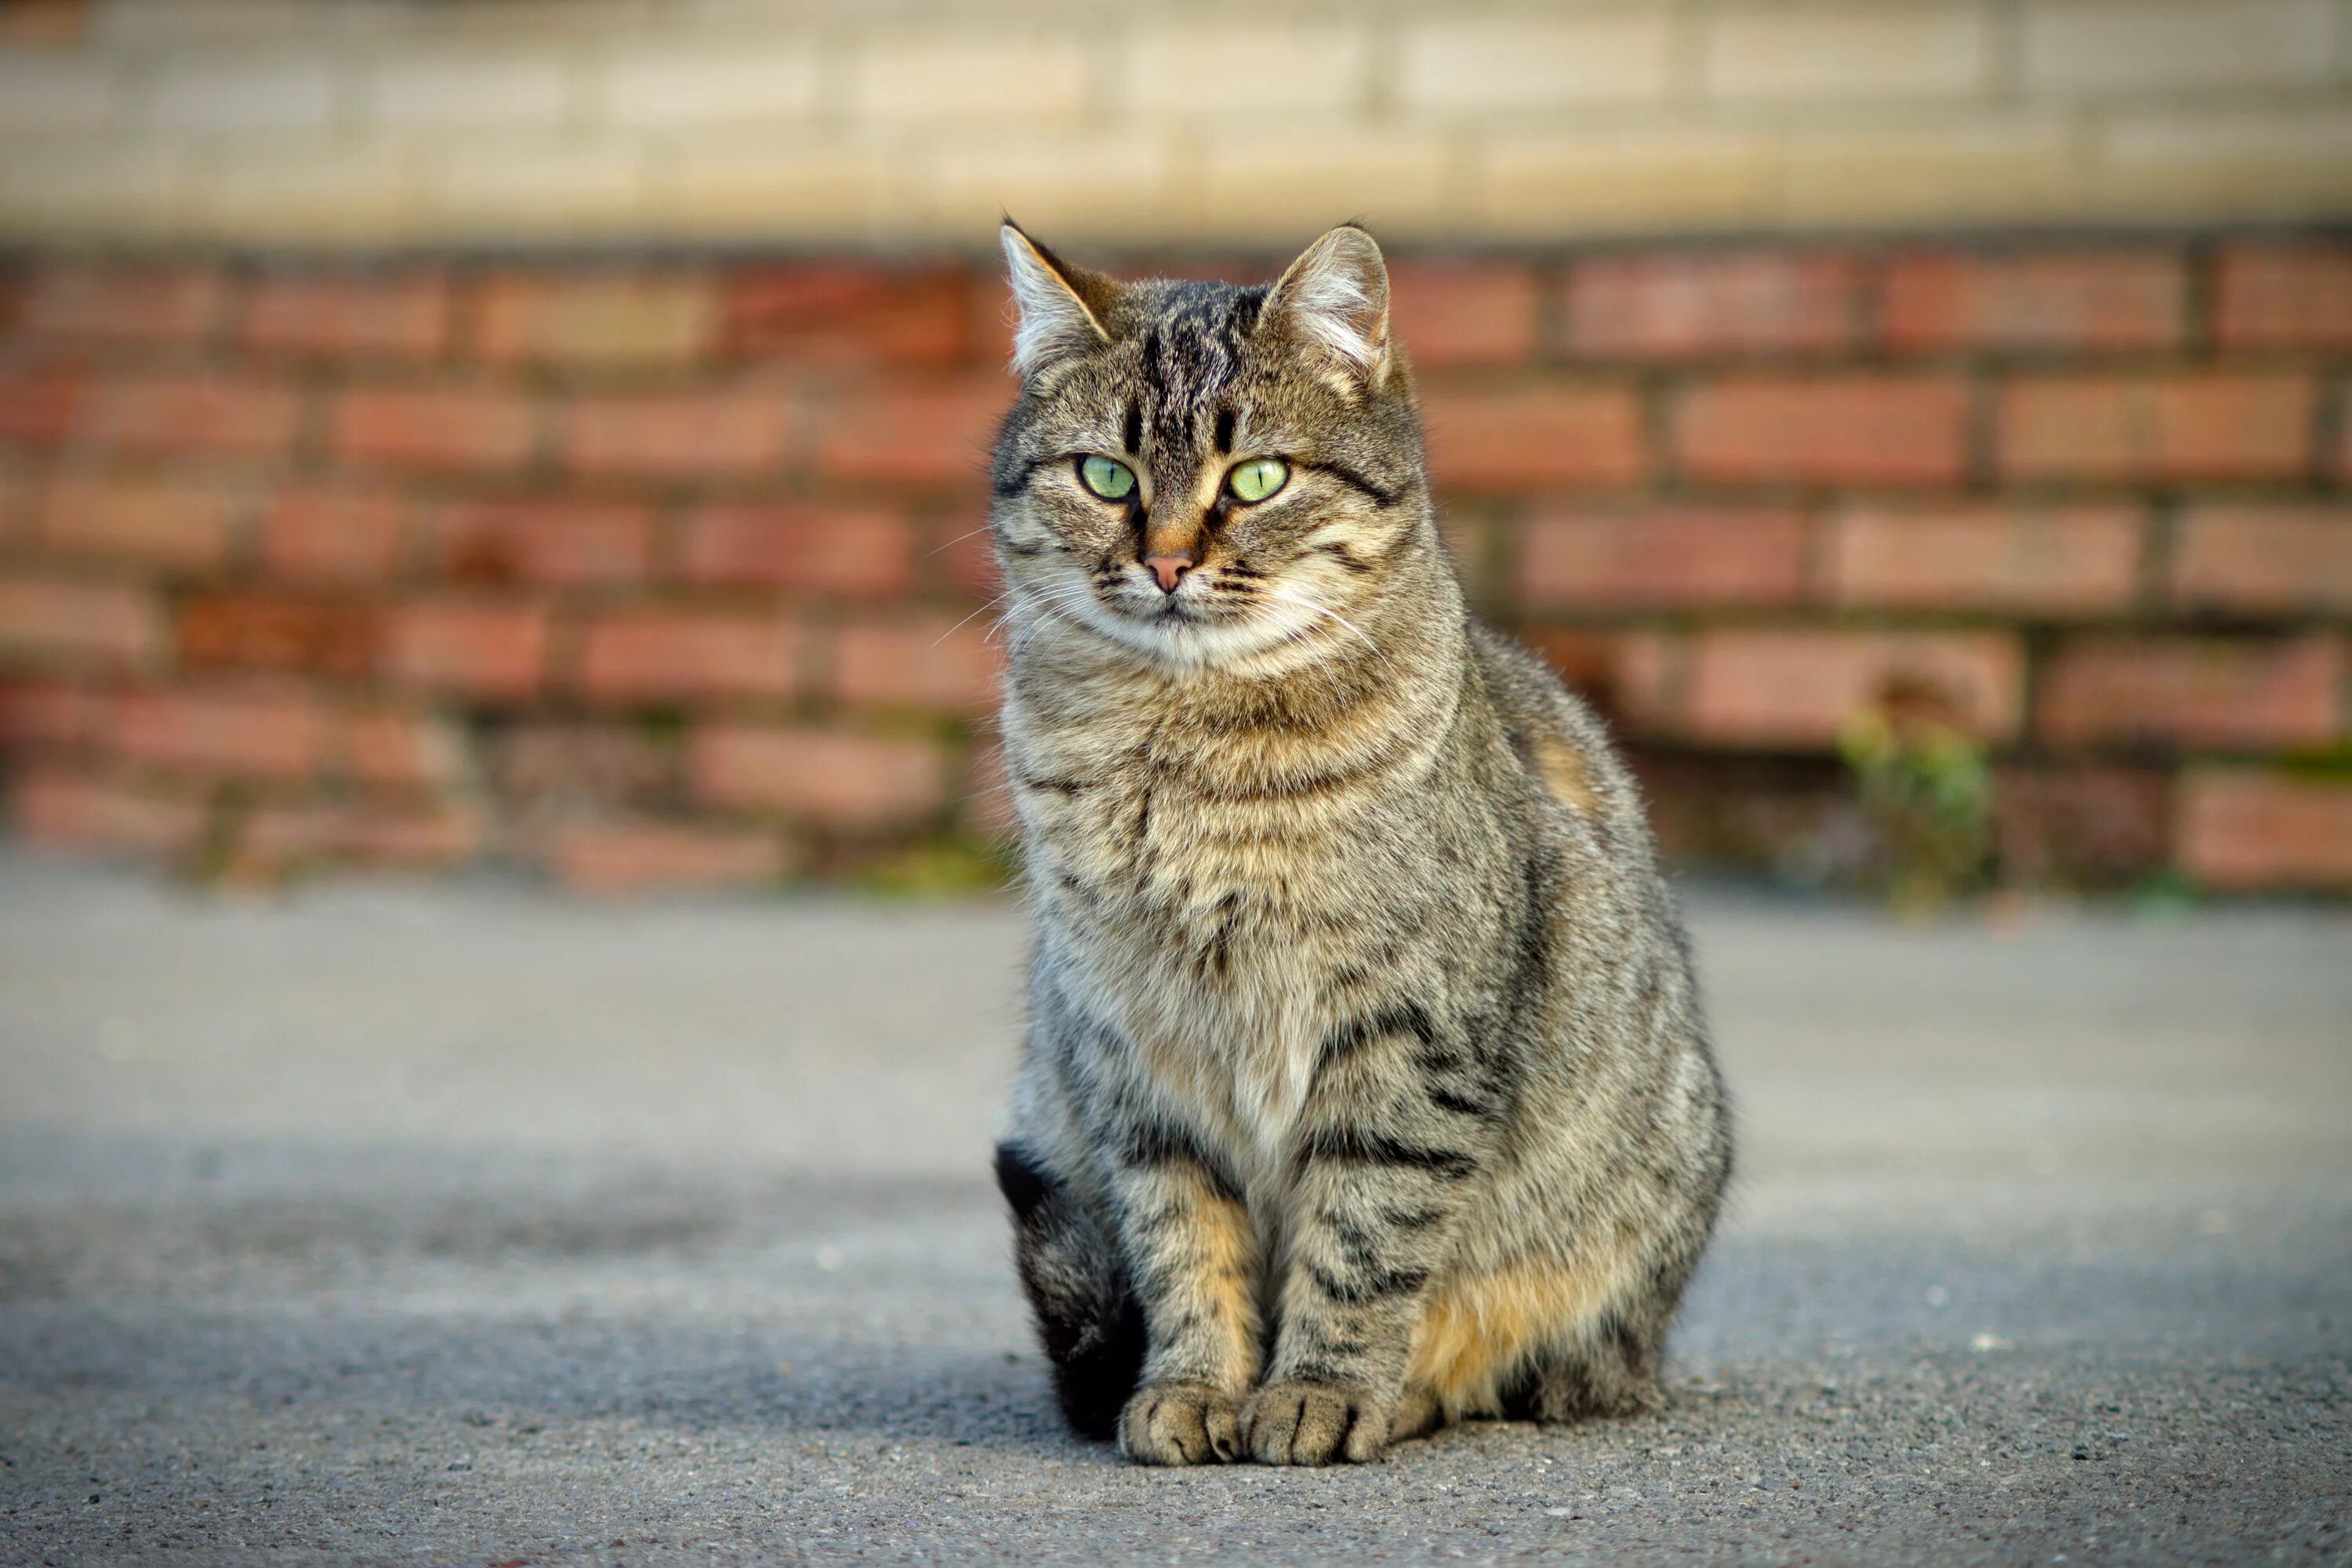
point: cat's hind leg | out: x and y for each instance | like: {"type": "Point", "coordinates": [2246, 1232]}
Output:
{"type": "Point", "coordinates": [1547, 1340]}
{"type": "Point", "coordinates": [1610, 1370]}
{"type": "Point", "coordinates": [1087, 1317]}
{"type": "Point", "coordinates": [1606, 1363]}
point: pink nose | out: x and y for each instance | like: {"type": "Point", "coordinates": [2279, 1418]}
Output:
{"type": "Point", "coordinates": [1167, 570]}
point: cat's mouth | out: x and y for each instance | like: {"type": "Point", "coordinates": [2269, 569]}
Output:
{"type": "Point", "coordinates": [1204, 623]}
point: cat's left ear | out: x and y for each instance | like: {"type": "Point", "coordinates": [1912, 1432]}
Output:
{"type": "Point", "coordinates": [1335, 298]}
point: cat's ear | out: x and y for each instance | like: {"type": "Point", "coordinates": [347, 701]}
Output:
{"type": "Point", "coordinates": [1062, 307]}
{"type": "Point", "coordinates": [1335, 298]}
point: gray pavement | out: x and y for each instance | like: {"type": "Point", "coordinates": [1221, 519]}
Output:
{"type": "Point", "coordinates": [394, 1224]}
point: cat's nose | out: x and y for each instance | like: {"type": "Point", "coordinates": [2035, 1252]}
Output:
{"type": "Point", "coordinates": [1169, 570]}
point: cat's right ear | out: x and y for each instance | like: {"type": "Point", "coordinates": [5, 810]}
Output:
{"type": "Point", "coordinates": [1062, 307]}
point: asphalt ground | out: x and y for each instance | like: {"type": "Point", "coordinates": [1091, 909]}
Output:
{"type": "Point", "coordinates": [460, 1224]}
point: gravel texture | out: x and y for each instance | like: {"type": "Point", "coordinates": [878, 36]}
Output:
{"type": "Point", "coordinates": [461, 1225]}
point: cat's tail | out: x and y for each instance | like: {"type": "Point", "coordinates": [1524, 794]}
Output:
{"type": "Point", "coordinates": [1087, 1316]}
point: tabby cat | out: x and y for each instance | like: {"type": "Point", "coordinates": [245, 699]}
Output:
{"type": "Point", "coordinates": [1365, 1087]}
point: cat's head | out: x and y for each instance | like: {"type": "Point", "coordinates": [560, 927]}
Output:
{"type": "Point", "coordinates": [1202, 472]}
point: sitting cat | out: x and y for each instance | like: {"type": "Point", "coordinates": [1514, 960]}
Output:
{"type": "Point", "coordinates": [1365, 1087]}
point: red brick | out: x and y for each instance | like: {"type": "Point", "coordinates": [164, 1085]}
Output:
{"type": "Point", "coordinates": [1579, 654]}
{"type": "Point", "coordinates": [1476, 537]}
{"type": "Point", "coordinates": [2082, 301]}
{"type": "Point", "coordinates": [992, 316]}
{"type": "Point", "coordinates": [626, 322]}
{"type": "Point", "coordinates": [638, 855]}
{"type": "Point", "coordinates": [1463, 312]}
{"type": "Point", "coordinates": [1855, 429]}
{"type": "Point", "coordinates": [731, 434]}
{"type": "Point", "coordinates": [2283, 296]}
{"type": "Point", "coordinates": [543, 539]}
{"type": "Point", "coordinates": [158, 306]}
{"type": "Point", "coordinates": [2193, 426]}
{"type": "Point", "coordinates": [239, 415]}
{"type": "Point", "coordinates": [558, 763]}
{"type": "Point", "coordinates": [1495, 438]}
{"type": "Point", "coordinates": [18, 498]}
{"type": "Point", "coordinates": [396, 748]}
{"type": "Point", "coordinates": [968, 558]}
{"type": "Point", "coordinates": [347, 315]}
{"type": "Point", "coordinates": [940, 663]}
{"type": "Point", "coordinates": [46, 620]}
{"type": "Point", "coordinates": [1697, 306]}
{"type": "Point", "coordinates": [658, 655]}
{"type": "Point", "coordinates": [275, 840]}
{"type": "Point", "coordinates": [2022, 559]}
{"type": "Point", "coordinates": [821, 547]}
{"type": "Point", "coordinates": [927, 433]}
{"type": "Point", "coordinates": [334, 535]}
{"type": "Point", "coordinates": [435, 428]}
{"type": "Point", "coordinates": [271, 631]}
{"type": "Point", "coordinates": [851, 314]}
{"type": "Point", "coordinates": [1794, 687]}
{"type": "Point", "coordinates": [39, 404]}
{"type": "Point", "coordinates": [2265, 559]}
{"type": "Point", "coordinates": [175, 525]}
{"type": "Point", "coordinates": [490, 650]}
{"type": "Point", "coordinates": [2245, 830]}
{"type": "Point", "coordinates": [2077, 825]}
{"type": "Point", "coordinates": [2256, 694]}
{"type": "Point", "coordinates": [52, 715]}
{"type": "Point", "coordinates": [830, 777]}
{"type": "Point", "coordinates": [1628, 674]}
{"type": "Point", "coordinates": [72, 811]}
{"type": "Point", "coordinates": [1662, 556]}
{"type": "Point", "coordinates": [258, 732]}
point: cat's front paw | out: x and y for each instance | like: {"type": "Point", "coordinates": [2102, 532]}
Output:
{"type": "Point", "coordinates": [1315, 1423]}
{"type": "Point", "coordinates": [1180, 1424]}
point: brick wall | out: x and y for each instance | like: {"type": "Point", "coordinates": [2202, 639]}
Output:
{"type": "Point", "coordinates": [668, 572]}
{"type": "Point", "coordinates": [364, 123]}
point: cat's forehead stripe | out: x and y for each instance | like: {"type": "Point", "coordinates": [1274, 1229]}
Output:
{"type": "Point", "coordinates": [1188, 356]}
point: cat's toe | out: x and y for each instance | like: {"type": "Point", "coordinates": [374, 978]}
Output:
{"type": "Point", "coordinates": [1179, 1424]}
{"type": "Point", "coordinates": [1314, 1423]}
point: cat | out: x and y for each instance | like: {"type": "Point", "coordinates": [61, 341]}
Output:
{"type": "Point", "coordinates": [1365, 1086]}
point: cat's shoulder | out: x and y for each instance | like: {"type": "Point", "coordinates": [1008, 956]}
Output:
{"type": "Point", "coordinates": [1558, 736]}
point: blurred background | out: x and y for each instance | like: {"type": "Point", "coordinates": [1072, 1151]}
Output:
{"type": "Point", "coordinates": [540, 443]}
{"type": "Point", "coordinates": [550, 433]}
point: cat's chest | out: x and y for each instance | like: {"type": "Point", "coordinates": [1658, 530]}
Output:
{"type": "Point", "coordinates": [1140, 838]}
{"type": "Point", "coordinates": [1212, 927]}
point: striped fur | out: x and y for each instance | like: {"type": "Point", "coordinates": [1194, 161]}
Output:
{"type": "Point", "coordinates": [1366, 1086]}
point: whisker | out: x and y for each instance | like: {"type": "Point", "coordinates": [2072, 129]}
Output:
{"type": "Point", "coordinates": [1052, 598]}
{"type": "Point", "coordinates": [1305, 604]}
{"type": "Point", "coordinates": [961, 625]}
{"type": "Point", "coordinates": [959, 539]}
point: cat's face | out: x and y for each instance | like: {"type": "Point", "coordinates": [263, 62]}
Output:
{"type": "Point", "coordinates": [1205, 473]}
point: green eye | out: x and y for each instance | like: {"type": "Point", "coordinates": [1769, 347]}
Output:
{"type": "Point", "coordinates": [1107, 478]}
{"type": "Point", "coordinates": [1257, 478]}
